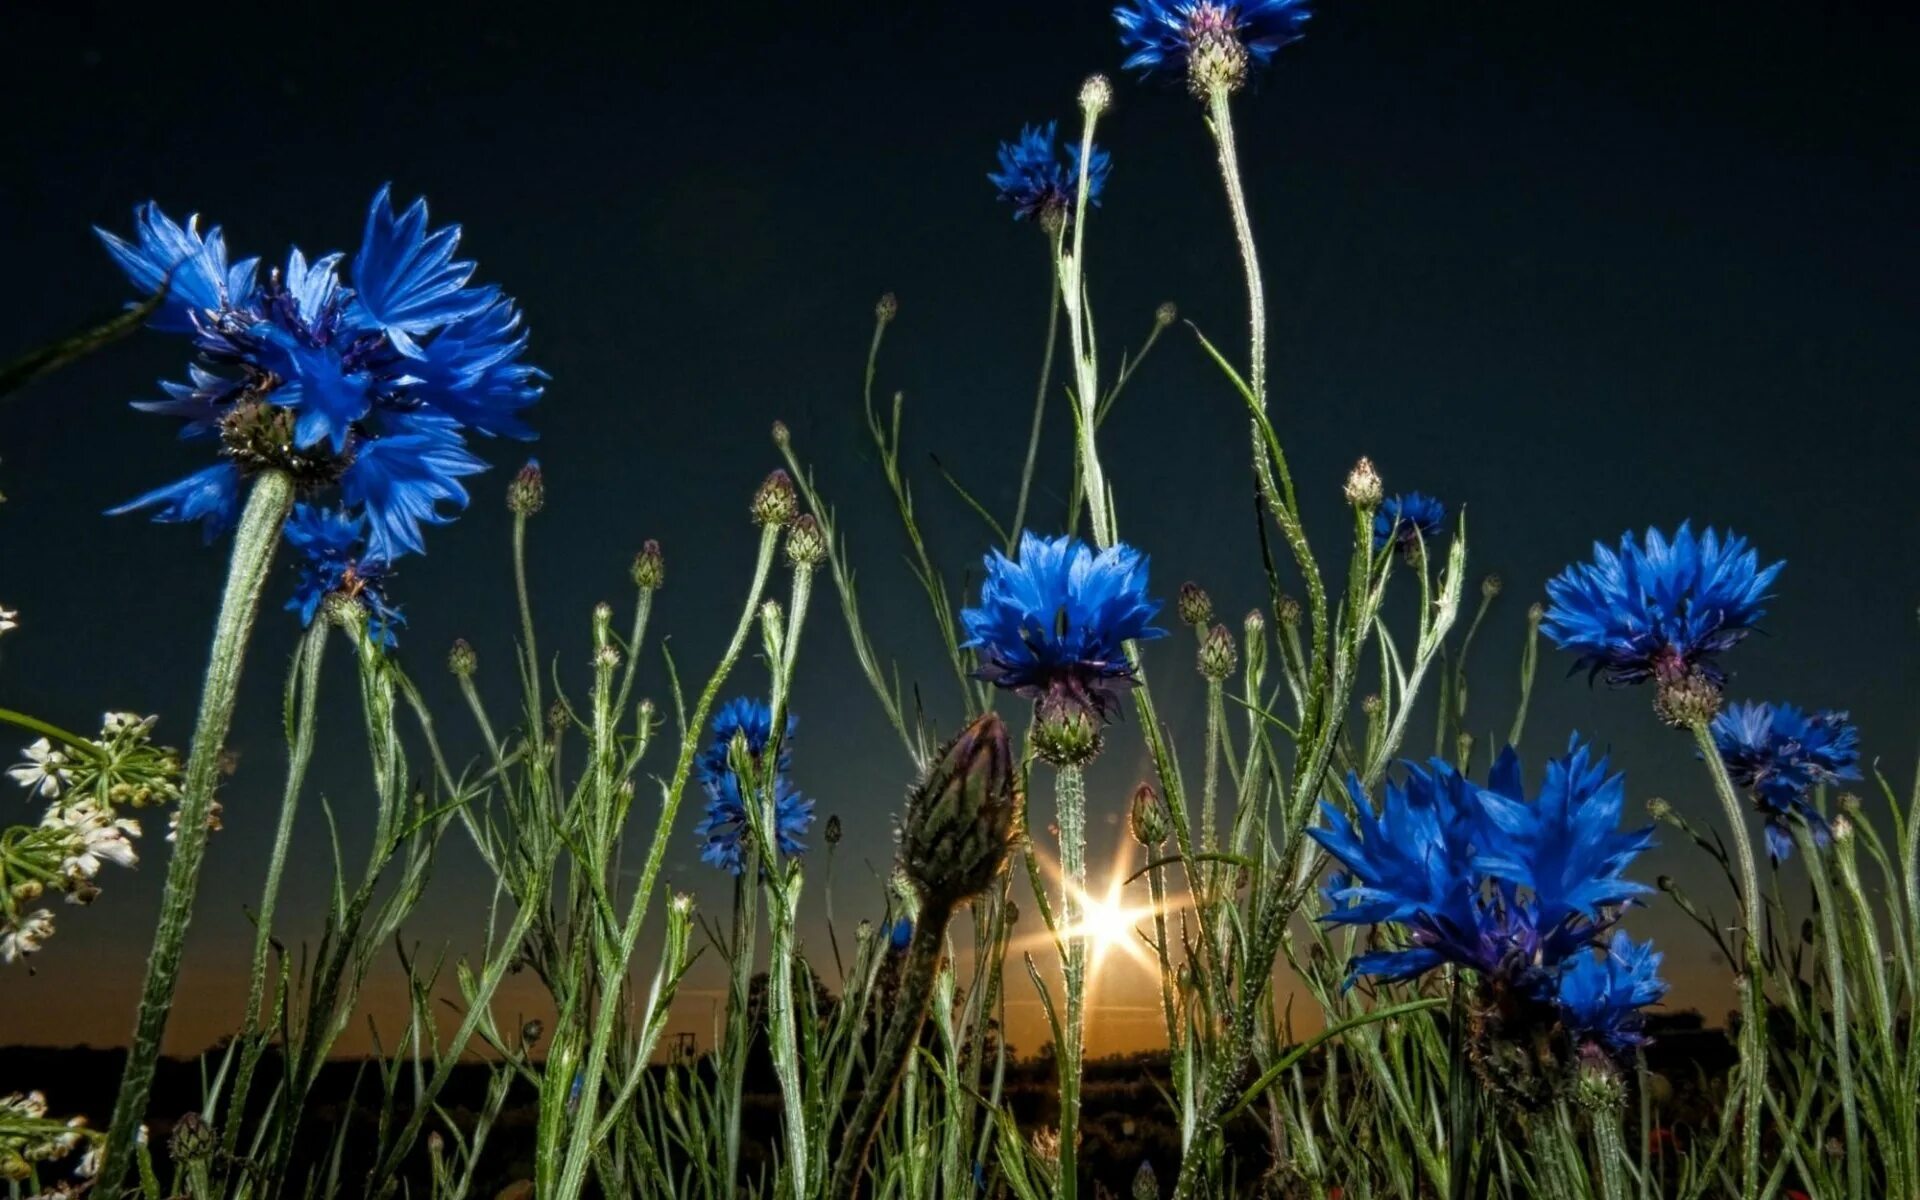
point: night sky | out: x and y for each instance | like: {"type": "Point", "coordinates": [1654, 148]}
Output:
{"type": "Point", "coordinates": [1579, 268]}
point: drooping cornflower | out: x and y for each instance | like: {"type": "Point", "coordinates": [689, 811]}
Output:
{"type": "Point", "coordinates": [1038, 183]}
{"type": "Point", "coordinates": [1514, 889]}
{"type": "Point", "coordinates": [723, 832]}
{"type": "Point", "coordinates": [1214, 43]}
{"type": "Point", "coordinates": [1408, 522]}
{"type": "Point", "coordinates": [367, 386]}
{"type": "Point", "coordinates": [1779, 754]}
{"type": "Point", "coordinates": [1660, 610]}
{"type": "Point", "coordinates": [1053, 625]}
{"type": "Point", "coordinates": [334, 563]}
{"type": "Point", "coordinates": [1601, 993]}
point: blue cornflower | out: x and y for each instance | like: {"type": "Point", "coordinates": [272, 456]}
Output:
{"type": "Point", "coordinates": [1408, 522]}
{"type": "Point", "coordinates": [368, 386]}
{"type": "Point", "coordinates": [1780, 753]}
{"type": "Point", "coordinates": [1600, 995]}
{"type": "Point", "coordinates": [1055, 622]}
{"type": "Point", "coordinates": [724, 829]}
{"type": "Point", "coordinates": [1214, 43]}
{"type": "Point", "coordinates": [1564, 846]}
{"type": "Point", "coordinates": [901, 935]}
{"type": "Point", "coordinates": [1037, 183]}
{"type": "Point", "coordinates": [1412, 863]}
{"type": "Point", "coordinates": [1659, 610]}
{"type": "Point", "coordinates": [1483, 877]}
{"type": "Point", "coordinates": [334, 563]}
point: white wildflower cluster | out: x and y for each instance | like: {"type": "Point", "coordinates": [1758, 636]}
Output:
{"type": "Point", "coordinates": [9, 619]}
{"type": "Point", "coordinates": [29, 1138]}
{"type": "Point", "coordinates": [86, 783]}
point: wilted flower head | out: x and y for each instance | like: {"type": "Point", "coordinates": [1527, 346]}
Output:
{"type": "Point", "coordinates": [369, 387]}
{"type": "Point", "coordinates": [1779, 754]}
{"type": "Point", "coordinates": [1600, 993]}
{"type": "Point", "coordinates": [1214, 43]}
{"type": "Point", "coordinates": [1038, 183]}
{"type": "Point", "coordinates": [959, 820]}
{"type": "Point", "coordinates": [724, 830]}
{"type": "Point", "coordinates": [1053, 624]}
{"type": "Point", "coordinates": [1657, 609]}
{"type": "Point", "coordinates": [25, 935]}
{"type": "Point", "coordinates": [1408, 522]}
{"type": "Point", "coordinates": [335, 563]}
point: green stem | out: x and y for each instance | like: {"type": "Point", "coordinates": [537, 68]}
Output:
{"type": "Point", "coordinates": [1529, 667]}
{"type": "Point", "coordinates": [903, 1033]}
{"type": "Point", "coordinates": [1753, 996]}
{"type": "Point", "coordinates": [1039, 399]}
{"type": "Point", "coordinates": [1220, 114]}
{"type": "Point", "coordinates": [1611, 1148]}
{"type": "Point", "coordinates": [1837, 992]}
{"type": "Point", "coordinates": [536, 716]}
{"type": "Point", "coordinates": [1070, 796]}
{"type": "Point", "coordinates": [254, 543]}
{"type": "Point", "coordinates": [67, 738]}
{"type": "Point", "coordinates": [300, 753]}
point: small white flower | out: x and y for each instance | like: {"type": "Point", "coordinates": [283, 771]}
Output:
{"type": "Point", "coordinates": [30, 1107]}
{"type": "Point", "coordinates": [44, 772]}
{"type": "Point", "coordinates": [117, 724]}
{"type": "Point", "coordinates": [18, 941]}
{"type": "Point", "coordinates": [214, 824]}
{"type": "Point", "coordinates": [94, 836]}
{"type": "Point", "coordinates": [9, 619]}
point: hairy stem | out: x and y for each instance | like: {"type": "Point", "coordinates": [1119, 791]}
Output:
{"type": "Point", "coordinates": [253, 546]}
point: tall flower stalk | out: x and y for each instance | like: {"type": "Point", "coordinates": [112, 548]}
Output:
{"type": "Point", "coordinates": [255, 539]}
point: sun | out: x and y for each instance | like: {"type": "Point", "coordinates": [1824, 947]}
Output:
{"type": "Point", "coordinates": [1110, 925]}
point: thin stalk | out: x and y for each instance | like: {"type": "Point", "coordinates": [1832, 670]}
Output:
{"type": "Point", "coordinates": [254, 542]}
{"type": "Point", "coordinates": [1070, 797]}
{"type": "Point", "coordinates": [1039, 397]}
{"type": "Point", "coordinates": [300, 753]}
{"type": "Point", "coordinates": [1220, 117]}
{"type": "Point", "coordinates": [1837, 997]}
{"type": "Point", "coordinates": [1611, 1148]}
{"type": "Point", "coordinates": [1753, 996]}
{"type": "Point", "coordinates": [1529, 667]}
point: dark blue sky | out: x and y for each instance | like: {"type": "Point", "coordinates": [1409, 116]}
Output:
{"type": "Point", "coordinates": [1578, 269]}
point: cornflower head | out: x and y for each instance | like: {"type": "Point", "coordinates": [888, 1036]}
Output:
{"type": "Point", "coordinates": [1779, 754]}
{"type": "Point", "coordinates": [1518, 890]}
{"type": "Point", "coordinates": [366, 387]}
{"type": "Point", "coordinates": [1038, 184]}
{"type": "Point", "coordinates": [1660, 610]}
{"type": "Point", "coordinates": [1408, 523]}
{"type": "Point", "coordinates": [335, 563]}
{"type": "Point", "coordinates": [1215, 43]}
{"type": "Point", "coordinates": [1601, 992]}
{"type": "Point", "coordinates": [747, 723]}
{"type": "Point", "coordinates": [1052, 625]}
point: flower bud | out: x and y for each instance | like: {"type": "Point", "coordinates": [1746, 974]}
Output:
{"type": "Point", "coordinates": [1096, 95]}
{"type": "Point", "coordinates": [1146, 1185]}
{"type": "Point", "coordinates": [1536, 613]}
{"type": "Point", "coordinates": [1066, 730]}
{"type": "Point", "coordinates": [193, 1140]}
{"type": "Point", "coordinates": [1373, 705]}
{"type": "Point", "coordinates": [1364, 488]}
{"type": "Point", "coordinates": [960, 819]}
{"type": "Point", "coordinates": [1849, 804]}
{"type": "Point", "coordinates": [806, 544]}
{"type": "Point", "coordinates": [1166, 315]}
{"type": "Point", "coordinates": [886, 308]}
{"type": "Point", "coordinates": [1194, 605]}
{"type": "Point", "coordinates": [775, 502]}
{"type": "Point", "coordinates": [1490, 587]}
{"type": "Point", "coordinates": [649, 567]}
{"type": "Point", "coordinates": [781, 436]}
{"type": "Point", "coordinates": [527, 493]}
{"type": "Point", "coordinates": [1659, 809]}
{"type": "Point", "coordinates": [531, 1033]}
{"type": "Point", "coordinates": [1842, 831]}
{"type": "Point", "coordinates": [1288, 610]}
{"type": "Point", "coordinates": [1218, 656]}
{"type": "Point", "coordinates": [832, 831]}
{"type": "Point", "coordinates": [1689, 700]}
{"type": "Point", "coordinates": [1147, 817]}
